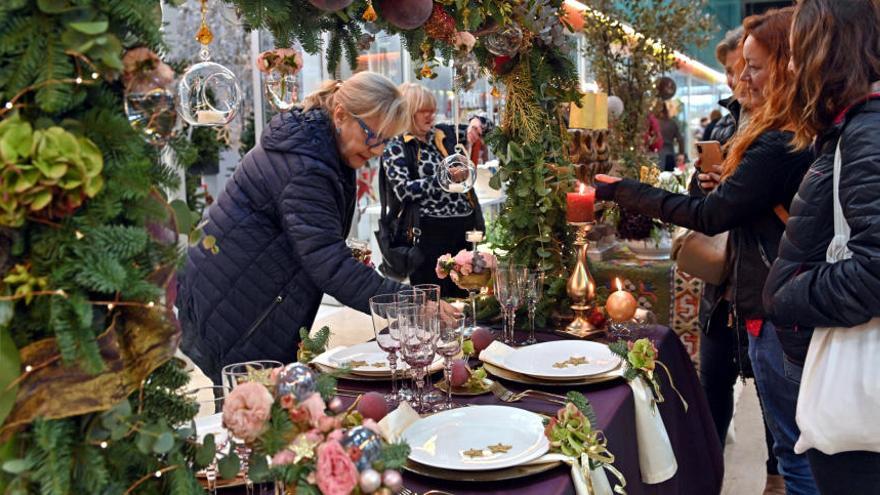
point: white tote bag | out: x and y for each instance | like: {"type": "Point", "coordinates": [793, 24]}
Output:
{"type": "Point", "coordinates": [838, 407]}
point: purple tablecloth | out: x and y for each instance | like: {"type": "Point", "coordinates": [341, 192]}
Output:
{"type": "Point", "coordinates": [692, 434]}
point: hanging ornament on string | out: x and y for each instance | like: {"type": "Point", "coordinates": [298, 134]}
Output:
{"type": "Point", "coordinates": [457, 173]}
{"type": "Point", "coordinates": [149, 95]}
{"type": "Point", "coordinates": [467, 71]}
{"type": "Point", "coordinates": [209, 93]}
{"type": "Point", "coordinates": [370, 15]}
{"type": "Point", "coordinates": [440, 26]}
{"type": "Point", "coordinates": [405, 14]}
{"type": "Point", "coordinates": [330, 5]}
{"type": "Point", "coordinates": [280, 67]}
{"type": "Point", "coordinates": [506, 42]}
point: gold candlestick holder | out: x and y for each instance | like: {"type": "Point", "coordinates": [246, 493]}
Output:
{"type": "Point", "coordinates": [581, 287]}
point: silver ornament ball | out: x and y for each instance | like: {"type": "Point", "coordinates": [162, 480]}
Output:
{"type": "Point", "coordinates": [367, 441]}
{"type": "Point", "coordinates": [297, 379]}
{"type": "Point", "coordinates": [615, 106]}
{"type": "Point", "coordinates": [392, 480]}
{"type": "Point", "coordinates": [370, 480]}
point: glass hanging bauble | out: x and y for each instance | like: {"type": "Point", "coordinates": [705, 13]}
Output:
{"type": "Point", "coordinates": [209, 94]}
{"type": "Point", "coordinates": [281, 90]}
{"type": "Point", "coordinates": [505, 42]}
{"type": "Point", "coordinates": [467, 72]}
{"type": "Point", "coordinates": [150, 107]}
{"type": "Point", "coordinates": [457, 174]}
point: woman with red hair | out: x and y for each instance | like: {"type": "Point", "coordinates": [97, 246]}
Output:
{"type": "Point", "coordinates": [760, 176]}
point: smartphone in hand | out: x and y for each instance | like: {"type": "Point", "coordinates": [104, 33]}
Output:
{"type": "Point", "coordinates": [710, 154]}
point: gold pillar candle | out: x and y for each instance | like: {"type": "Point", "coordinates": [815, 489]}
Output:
{"type": "Point", "coordinates": [592, 114]}
{"type": "Point", "coordinates": [621, 305]}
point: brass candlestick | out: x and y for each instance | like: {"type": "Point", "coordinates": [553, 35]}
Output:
{"type": "Point", "coordinates": [581, 287]}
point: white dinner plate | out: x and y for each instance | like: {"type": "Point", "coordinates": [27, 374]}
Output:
{"type": "Point", "coordinates": [562, 360]}
{"type": "Point", "coordinates": [477, 438]}
{"type": "Point", "coordinates": [369, 359]}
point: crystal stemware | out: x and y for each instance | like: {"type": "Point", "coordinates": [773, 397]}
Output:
{"type": "Point", "coordinates": [534, 290]}
{"type": "Point", "coordinates": [235, 374]}
{"type": "Point", "coordinates": [432, 318]}
{"type": "Point", "coordinates": [509, 285]}
{"type": "Point", "coordinates": [450, 335]}
{"type": "Point", "coordinates": [416, 346]}
{"type": "Point", "coordinates": [383, 309]}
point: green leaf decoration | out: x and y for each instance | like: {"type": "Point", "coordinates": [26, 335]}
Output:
{"type": "Point", "coordinates": [206, 451]}
{"type": "Point", "coordinates": [9, 371]}
{"type": "Point", "coordinates": [93, 27]}
{"type": "Point", "coordinates": [229, 466]}
{"type": "Point", "coordinates": [17, 466]}
{"type": "Point", "coordinates": [53, 6]}
{"type": "Point", "coordinates": [164, 443]}
{"type": "Point", "coordinates": [258, 468]}
{"type": "Point", "coordinates": [183, 217]}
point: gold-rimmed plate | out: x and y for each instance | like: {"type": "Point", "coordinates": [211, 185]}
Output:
{"type": "Point", "coordinates": [481, 476]}
{"type": "Point", "coordinates": [528, 380]}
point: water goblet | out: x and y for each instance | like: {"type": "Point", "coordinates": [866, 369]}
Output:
{"type": "Point", "coordinates": [450, 335]}
{"type": "Point", "coordinates": [235, 374]}
{"type": "Point", "coordinates": [416, 346]}
{"type": "Point", "coordinates": [383, 309]}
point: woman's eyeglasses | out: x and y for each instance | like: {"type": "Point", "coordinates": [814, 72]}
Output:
{"type": "Point", "coordinates": [372, 139]}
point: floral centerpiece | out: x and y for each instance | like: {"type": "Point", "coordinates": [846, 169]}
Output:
{"type": "Point", "coordinates": [467, 268]}
{"type": "Point", "coordinates": [280, 66]}
{"type": "Point", "coordinates": [305, 443]}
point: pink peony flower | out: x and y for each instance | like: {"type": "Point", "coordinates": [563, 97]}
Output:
{"type": "Point", "coordinates": [315, 406]}
{"type": "Point", "coordinates": [262, 62]}
{"type": "Point", "coordinates": [283, 457]}
{"type": "Point", "coordinates": [289, 60]}
{"type": "Point", "coordinates": [442, 268]}
{"type": "Point", "coordinates": [464, 40]}
{"type": "Point", "coordinates": [246, 410]}
{"type": "Point", "coordinates": [464, 257]}
{"type": "Point", "coordinates": [335, 473]}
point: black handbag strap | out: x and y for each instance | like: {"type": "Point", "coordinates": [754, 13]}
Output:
{"type": "Point", "coordinates": [390, 206]}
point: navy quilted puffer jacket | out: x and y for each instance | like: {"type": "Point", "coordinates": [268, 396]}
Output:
{"type": "Point", "coordinates": [280, 225]}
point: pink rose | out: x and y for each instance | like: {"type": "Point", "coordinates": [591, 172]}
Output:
{"type": "Point", "coordinates": [335, 435]}
{"type": "Point", "coordinates": [464, 257]}
{"type": "Point", "coordinates": [289, 60]}
{"type": "Point", "coordinates": [464, 40]}
{"type": "Point", "coordinates": [283, 457]}
{"type": "Point", "coordinates": [315, 406]}
{"type": "Point", "coordinates": [335, 472]}
{"type": "Point", "coordinates": [263, 61]}
{"type": "Point", "coordinates": [442, 268]}
{"type": "Point", "coordinates": [246, 410]}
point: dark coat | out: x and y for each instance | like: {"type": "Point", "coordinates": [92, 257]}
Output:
{"type": "Point", "coordinates": [803, 290]}
{"type": "Point", "coordinates": [768, 175]}
{"type": "Point", "coordinates": [725, 128]}
{"type": "Point", "coordinates": [280, 225]}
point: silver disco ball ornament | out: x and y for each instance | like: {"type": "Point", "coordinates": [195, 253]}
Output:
{"type": "Point", "coordinates": [457, 174]}
{"type": "Point", "coordinates": [367, 441]}
{"type": "Point", "coordinates": [296, 379]}
{"type": "Point", "coordinates": [505, 42]}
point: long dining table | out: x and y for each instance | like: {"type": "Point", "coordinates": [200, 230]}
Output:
{"type": "Point", "coordinates": [692, 435]}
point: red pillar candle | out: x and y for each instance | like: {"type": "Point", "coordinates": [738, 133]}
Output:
{"type": "Point", "coordinates": [580, 204]}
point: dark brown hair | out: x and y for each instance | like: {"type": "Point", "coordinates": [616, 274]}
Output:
{"type": "Point", "coordinates": [836, 55]}
{"type": "Point", "coordinates": [770, 30]}
{"type": "Point", "coordinates": [730, 42]}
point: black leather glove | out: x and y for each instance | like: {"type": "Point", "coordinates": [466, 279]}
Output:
{"type": "Point", "coordinates": [605, 191]}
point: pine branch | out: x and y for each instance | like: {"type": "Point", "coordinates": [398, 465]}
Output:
{"type": "Point", "coordinates": [583, 404]}
{"type": "Point", "coordinates": [52, 455]}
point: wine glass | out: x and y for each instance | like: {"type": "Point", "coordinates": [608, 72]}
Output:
{"type": "Point", "coordinates": [416, 345]}
{"type": "Point", "coordinates": [383, 309]}
{"type": "Point", "coordinates": [235, 374]}
{"type": "Point", "coordinates": [509, 285]}
{"type": "Point", "coordinates": [432, 305]}
{"type": "Point", "coordinates": [448, 344]}
{"type": "Point", "coordinates": [533, 292]}
{"type": "Point", "coordinates": [210, 401]}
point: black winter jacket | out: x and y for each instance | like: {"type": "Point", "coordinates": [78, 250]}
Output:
{"type": "Point", "coordinates": [803, 290]}
{"type": "Point", "coordinates": [280, 225]}
{"type": "Point", "coordinates": [768, 175]}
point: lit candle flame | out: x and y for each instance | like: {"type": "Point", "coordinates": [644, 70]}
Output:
{"type": "Point", "coordinates": [582, 188]}
{"type": "Point", "coordinates": [617, 283]}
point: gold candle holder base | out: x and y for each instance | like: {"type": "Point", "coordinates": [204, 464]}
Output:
{"type": "Point", "coordinates": [581, 288]}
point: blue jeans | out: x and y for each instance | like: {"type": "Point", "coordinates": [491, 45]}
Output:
{"type": "Point", "coordinates": [778, 381]}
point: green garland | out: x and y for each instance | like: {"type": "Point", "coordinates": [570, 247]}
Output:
{"type": "Point", "coordinates": [73, 263]}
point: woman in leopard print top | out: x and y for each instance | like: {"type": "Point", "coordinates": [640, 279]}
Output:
{"type": "Point", "coordinates": [445, 217]}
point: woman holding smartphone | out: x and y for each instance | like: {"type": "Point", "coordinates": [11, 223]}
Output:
{"type": "Point", "coordinates": [760, 174]}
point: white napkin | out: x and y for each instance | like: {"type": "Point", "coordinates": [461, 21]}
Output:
{"type": "Point", "coordinates": [656, 459]}
{"type": "Point", "coordinates": [495, 354]}
{"type": "Point", "coordinates": [398, 420]}
{"type": "Point", "coordinates": [324, 359]}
